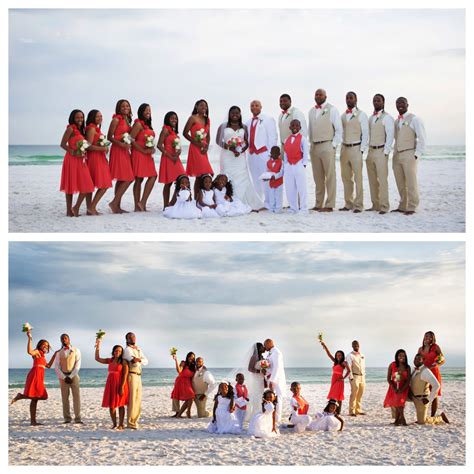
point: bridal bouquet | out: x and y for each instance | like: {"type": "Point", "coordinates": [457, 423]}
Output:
{"type": "Point", "coordinates": [176, 144]}
{"type": "Point", "coordinates": [126, 138]}
{"type": "Point", "coordinates": [149, 141]}
{"type": "Point", "coordinates": [82, 146]}
{"type": "Point", "coordinates": [440, 359]}
{"type": "Point", "coordinates": [200, 135]}
{"type": "Point", "coordinates": [173, 351]}
{"type": "Point", "coordinates": [102, 141]}
{"type": "Point", "coordinates": [320, 337]}
{"type": "Point", "coordinates": [100, 334]}
{"type": "Point", "coordinates": [264, 364]}
{"type": "Point", "coordinates": [397, 379]}
{"type": "Point", "coordinates": [26, 327]}
{"type": "Point", "coordinates": [234, 143]}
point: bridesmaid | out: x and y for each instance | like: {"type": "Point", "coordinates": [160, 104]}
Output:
{"type": "Point", "coordinates": [336, 392]}
{"type": "Point", "coordinates": [116, 386]}
{"type": "Point", "coordinates": [75, 175]}
{"type": "Point", "coordinates": [170, 164]}
{"type": "Point", "coordinates": [96, 161]}
{"type": "Point", "coordinates": [198, 161]}
{"type": "Point", "coordinates": [143, 163]}
{"type": "Point", "coordinates": [34, 385]}
{"type": "Point", "coordinates": [398, 378]}
{"type": "Point", "coordinates": [183, 387]}
{"type": "Point", "coordinates": [432, 358]}
{"type": "Point", "coordinates": [120, 160]}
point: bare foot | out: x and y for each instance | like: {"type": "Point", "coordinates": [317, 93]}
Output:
{"type": "Point", "coordinates": [113, 427]}
{"type": "Point", "coordinates": [188, 415]}
{"type": "Point", "coordinates": [138, 208]}
{"type": "Point", "coordinates": [115, 209]}
{"type": "Point", "coordinates": [35, 423]}
{"type": "Point", "coordinates": [17, 397]}
{"type": "Point", "coordinates": [92, 212]}
{"type": "Point", "coordinates": [122, 211]}
{"type": "Point", "coordinates": [75, 211]}
{"type": "Point", "coordinates": [120, 428]}
{"type": "Point", "coordinates": [142, 206]}
{"type": "Point", "coordinates": [69, 213]}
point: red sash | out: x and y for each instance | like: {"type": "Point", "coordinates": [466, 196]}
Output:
{"type": "Point", "coordinates": [293, 150]}
{"type": "Point", "coordinates": [252, 148]}
{"type": "Point", "coordinates": [274, 166]}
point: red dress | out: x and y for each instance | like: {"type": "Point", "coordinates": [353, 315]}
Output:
{"type": "Point", "coordinates": [120, 161]}
{"type": "Point", "coordinates": [97, 162]}
{"type": "Point", "coordinates": [393, 399]}
{"type": "Point", "coordinates": [169, 171]}
{"type": "Point", "coordinates": [429, 359]}
{"type": "Point", "coordinates": [336, 392]}
{"type": "Point", "coordinates": [183, 387]}
{"type": "Point", "coordinates": [34, 385]}
{"type": "Point", "coordinates": [143, 165]}
{"type": "Point", "coordinates": [198, 164]}
{"type": "Point", "coordinates": [75, 176]}
{"type": "Point", "coordinates": [112, 397]}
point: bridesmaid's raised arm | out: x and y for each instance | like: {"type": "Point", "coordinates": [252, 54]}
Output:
{"type": "Point", "coordinates": [327, 351]}
{"type": "Point", "coordinates": [97, 355]}
{"type": "Point", "coordinates": [29, 346]}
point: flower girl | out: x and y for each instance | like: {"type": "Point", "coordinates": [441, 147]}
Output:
{"type": "Point", "coordinates": [205, 197]}
{"type": "Point", "coordinates": [227, 205]}
{"type": "Point", "coordinates": [182, 205]}
{"type": "Point", "coordinates": [299, 417]}
{"type": "Point", "coordinates": [223, 417]}
{"type": "Point", "coordinates": [262, 425]}
{"type": "Point", "coordinates": [328, 420]}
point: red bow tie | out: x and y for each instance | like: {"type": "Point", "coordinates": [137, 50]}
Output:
{"type": "Point", "coordinates": [66, 348]}
{"type": "Point", "coordinates": [318, 106]}
{"type": "Point", "coordinates": [400, 117]}
{"type": "Point", "coordinates": [284, 112]}
{"type": "Point", "coordinates": [375, 113]}
{"type": "Point", "coordinates": [348, 111]}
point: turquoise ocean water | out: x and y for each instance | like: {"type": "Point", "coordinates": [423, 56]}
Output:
{"type": "Point", "coordinates": [165, 377]}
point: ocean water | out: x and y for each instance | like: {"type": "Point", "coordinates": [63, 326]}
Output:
{"type": "Point", "coordinates": [45, 155]}
{"type": "Point", "coordinates": [165, 377]}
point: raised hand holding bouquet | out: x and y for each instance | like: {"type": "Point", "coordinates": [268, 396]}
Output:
{"type": "Point", "coordinates": [173, 352]}
{"type": "Point", "coordinates": [99, 335]}
{"type": "Point", "coordinates": [27, 328]}
{"type": "Point", "coordinates": [320, 337]}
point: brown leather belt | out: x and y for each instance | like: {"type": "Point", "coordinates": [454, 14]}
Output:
{"type": "Point", "coordinates": [351, 144]}
{"type": "Point", "coordinates": [134, 373]}
{"type": "Point", "coordinates": [377, 147]}
{"type": "Point", "coordinates": [408, 149]}
{"type": "Point", "coordinates": [324, 141]}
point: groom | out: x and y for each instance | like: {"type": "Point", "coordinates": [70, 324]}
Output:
{"type": "Point", "coordinates": [276, 375]}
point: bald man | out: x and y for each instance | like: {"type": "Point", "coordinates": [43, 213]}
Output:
{"type": "Point", "coordinates": [262, 137]}
{"type": "Point", "coordinates": [325, 134]}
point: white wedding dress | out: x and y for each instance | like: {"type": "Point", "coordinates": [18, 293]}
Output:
{"type": "Point", "coordinates": [226, 422]}
{"type": "Point", "coordinates": [236, 168]}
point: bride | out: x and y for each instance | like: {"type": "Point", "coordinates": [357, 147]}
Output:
{"type": "Point", "coordinates": [232, 138]}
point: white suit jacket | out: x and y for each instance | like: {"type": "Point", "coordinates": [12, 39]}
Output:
{"type": "Point", "coordinates": [265, 133]}
{"type": "Point", "coordinates": [277, 371]}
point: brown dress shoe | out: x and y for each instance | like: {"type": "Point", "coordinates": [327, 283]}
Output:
{"type": "Point", "coordinates": [357, 211]}
{"type": "Point", "coordinates": [344, 208]}
{"type": "Point", "coordinates": [316, 208]}
{"type": "Point", "coordinates": [326, 209]}
{"type": "Point", "coordinates": [382, 212]}
{"type": "Point", "coordinates": [397, 210]}
{"type": "Point", "coordinates": [409, 213]}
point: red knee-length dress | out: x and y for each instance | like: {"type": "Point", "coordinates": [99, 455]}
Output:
{"type": "Point", "coordinates": [429, 359]}
{"type": "Point", "coordinates": [198, 164]}
{"type": "Point", "coordinates": [336, 392]}
{"type": "Point", "coordinates": [34, 385]}
{"type": "Point", "coordinates": [394, 399]}
{"type": "Point", "coordinates": [75, 175]}
{"type": "Point", "coordinates": [97, 162]}
{"type": "Point", "coordinates": [143, 165]}
{"type": "Point", "coordinates": [183, 387]}
{"type": "Point", "coordinates": [112, 397]}
{"type": "Point", "coordinates": [170, 170]}
{"type": "Point", "coordinates": [120, 160]}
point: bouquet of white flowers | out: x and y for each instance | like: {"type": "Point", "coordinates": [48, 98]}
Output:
{"type": "Point", "coordinates": [234, 143]}
{"type": "Point", "coordinates": [82, 146]}
{"type": "Point", "coordinates": [126, 138]}
{"type": "Point", "coordinates": [176, 143]}
{"type": "Point", "coordinates": [102, 141]}
{"type": "Point", "coordinates": [149, 141]}
{"type": "Point", "coordinates": [200, 135]}
{"type": "Point", "coordinates": [26, 327]}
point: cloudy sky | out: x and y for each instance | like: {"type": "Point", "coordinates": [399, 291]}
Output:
{"type": "Point", "coordinates": [219, 298]}
{"type": "Point", "coordinates": [65, 59]}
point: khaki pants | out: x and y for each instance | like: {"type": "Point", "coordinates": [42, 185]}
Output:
{"type": "Point", "coordinates": [134, 400]}
{"type": "Point", "coordinates": [357, 390]}
{"type": "Point", "coordinates": [377, 171]}
{"type": "Point", "coordinates": [76, 398]}
{"type": "Point", "coordinates": [351, 171]}
{"type": "Point", "coordinates": [404, 169]}
{"type": "Point", "coordinates": [323, 161]}
{"type": "Point", "coordinates": [422, 414]}
{"type": "Point", "coordinates": [201, 407]}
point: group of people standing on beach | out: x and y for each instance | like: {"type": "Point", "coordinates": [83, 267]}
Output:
{"type": "Point", "coordinates": [257, 161]}
{"type": "Point", "coordinates": [259, 392]}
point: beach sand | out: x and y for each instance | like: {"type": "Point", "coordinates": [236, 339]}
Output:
{"type": "Point", "coordinates": [36, 205]}
{"type": "Point", "coordinates": [161, 440]}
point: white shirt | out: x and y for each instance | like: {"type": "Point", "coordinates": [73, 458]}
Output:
{"type": "Point", "coordinates": [364, 125]}
{"type": "Point", "coordinates": [76, 368]}
{"type": "Point", "coordinates": [419, 128]}
{"type": "Point", "coordinates": [359, 359]}
{"type": "Point", "coordinates": [295, 114]}
{"type": "Point", "coordinates": [207, 378]}
{"type": "Point", "coordinates": [265, 132]}
{"type": "Point", "coordinates": [335, 120]}
{"type": "Point", "coordinates": [389, 124]}
{"type": "Point", "coordinates": [276, 375]}
{"type": "Point", "coordinates": [428, 377]}
{"type": "Point", "coordinates": [134, 351]}
{"type": "Point", "coordinates": [304, 149]}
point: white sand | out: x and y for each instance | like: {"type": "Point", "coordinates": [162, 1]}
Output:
{"type": "Point", "coordinates": [36, 205]}
{"type": "Point", "coordinates": [162, 440]}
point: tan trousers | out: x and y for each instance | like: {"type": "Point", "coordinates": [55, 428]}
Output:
{"type": "Point", "coordinates": [377, 171]}
{"type": "Point", "coordinates": [357, 390]}
{"type": "Point", "coordinates": [404, 169]}
{"type": "Point", "coordinates": [323, 161]}
{"type": "Point", "coordinates": [422, 414]}
{"type": "Point", "coordinates": [134, 400]}
{"type": "Point", "coordinates": [76, 399]}
{"type": "Point", "coordinates": [201, 407]}
{"type": "Point", "coordinates": [351, 171]}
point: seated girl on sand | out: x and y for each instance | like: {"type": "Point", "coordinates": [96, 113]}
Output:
{"type": "Point", "coordinates": [299, 417]}
{"type": "Point", "coordinates": [205, 197]}
{"type": "Point", "coordinates": [223, 417]}
{"type": "Point", "coordinates": [182, 205]}
{"type": "Point", "coordinates": [262, 425]}
{"type": "Point", "coordinates": [328, 420]}
{"type": "Point", "coordinates": [227, 204]}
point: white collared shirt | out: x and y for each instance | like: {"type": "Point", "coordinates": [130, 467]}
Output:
{"type": "Point", "coordinates": [419, 128]}
{"type": "Point", "coordinates": [389, 124]}
{"type": "Point", "coordinates": [359, 358]}
{"type": "Point", "coordinates": [207, 378]}
{"type": "Point", "coordinates": [364, 125]}
{"type": "Point", "coordinates": [77, 364]}
{"type": "Point", "coordinates": [304, 149]}
{"type": "Point", "coordinates": [130, 352]}
{"type": "Point", "coordinates": [427, 376]}
{"type": "Point", "coordinates": [335, 120]}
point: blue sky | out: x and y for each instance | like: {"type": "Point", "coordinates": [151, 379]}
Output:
{"type": "Point", "coordinates": [218, 298]}
{"type": "Point", "coordinates": [65, 59]}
